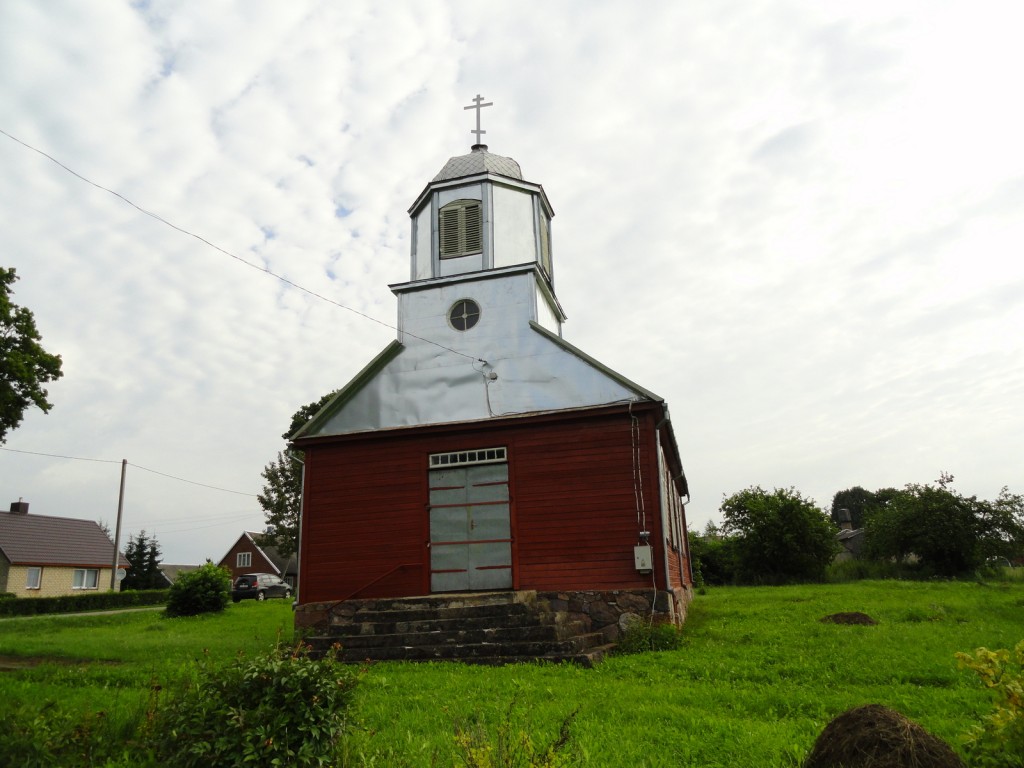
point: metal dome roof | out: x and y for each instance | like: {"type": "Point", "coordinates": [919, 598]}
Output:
{"type": "Point", "coordinates": [479, 161]}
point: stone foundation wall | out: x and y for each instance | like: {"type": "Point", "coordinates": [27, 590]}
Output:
{"type": "Point", "coordinates": [613, 611]}
{"type": "Point", "coordinates": [311, 617]}
{"type": "Point", "coordinates": [608, 612]}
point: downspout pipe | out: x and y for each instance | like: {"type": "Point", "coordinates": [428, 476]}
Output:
{"type": "Point", "coordinates": [664, 520]}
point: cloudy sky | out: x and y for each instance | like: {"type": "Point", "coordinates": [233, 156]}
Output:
{"type": "Point", "coordinates": [800, 223]}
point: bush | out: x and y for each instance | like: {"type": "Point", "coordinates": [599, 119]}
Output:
{"type": "Point", "coordinates": [642, 636]}
{"type": "Point", "coordinates": [998, 742]}
{"type": "Point", "coordinates": [43, 737]}
{"type": "Point", "coordinates": [204, 590]}
{"type": "Point", "coordinates": [512, 746]}
{"type": "Point", "coordinates": [281, 708]}
{"type": "Point", "coordinates": [713, 557]}
{"type": "Point", "coordinates": [843, 571]}
{"type": "Point", "coordinates": [91, 601]}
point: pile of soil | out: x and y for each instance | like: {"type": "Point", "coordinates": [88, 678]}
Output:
{"type": "Point", "coordinates": [873, 736]}
{"type": "Point", "coordinates": [848, 618]}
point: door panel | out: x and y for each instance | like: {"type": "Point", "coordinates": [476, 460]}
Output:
{"type": "Point", "coordinates": [470, 531]}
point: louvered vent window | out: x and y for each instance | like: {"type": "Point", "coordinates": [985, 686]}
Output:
{"type": "Point", "coordinates": [545, 243]}
{"type": "Point", "coordinates": [461, 228]}
{"type": "Point", "coordinates": [464, 458]}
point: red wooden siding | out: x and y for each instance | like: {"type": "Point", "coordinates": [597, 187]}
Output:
{"type": "Point", "coordinates": [573, 504]}
{"type": "Point", "coordinates": [260, 564]}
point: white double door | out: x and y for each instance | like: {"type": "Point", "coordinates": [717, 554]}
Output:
{"type": "Point", "coordinates": [470, 530]}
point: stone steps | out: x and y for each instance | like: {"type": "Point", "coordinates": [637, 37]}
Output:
{"type": "Point", "coordinates": [455, 636]}
{"type": "Point", "coordinates": [519, 650]}
{"type": "Point", "coordinates": [489, 628]}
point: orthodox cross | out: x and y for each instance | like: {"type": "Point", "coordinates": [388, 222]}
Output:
{"type": "Point", "coordinates": [478, 105]}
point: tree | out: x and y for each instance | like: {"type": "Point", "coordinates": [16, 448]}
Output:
{"type": "Point", "coordinates": [713, 556]}
{"type": "Point", "coordinates": [943, 532]}
{"type": "Point", "coordinates": [143, 552]}
{"type": "Point", "coordinates": [24, 365]}
{"type": "Point", "coordinates": [281, 498]}
{"type": "Point", "coordinates": [780, 536]}
{"type": "Point", "coordinates": [857, 501]}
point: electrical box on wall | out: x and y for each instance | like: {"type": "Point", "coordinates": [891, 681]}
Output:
{"type": "Point", "coordinates": [643, 557]}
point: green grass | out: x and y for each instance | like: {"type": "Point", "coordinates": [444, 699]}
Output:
{"type": "Point", "coordinates": [111, 662]}
{"type": "Point", "coordinates": [756, 680]}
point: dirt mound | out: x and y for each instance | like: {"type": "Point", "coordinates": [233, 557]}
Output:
{"type": "Point", "coordinates": [848, 618]}
{"type": "Point", "coordinates": [876, 737]}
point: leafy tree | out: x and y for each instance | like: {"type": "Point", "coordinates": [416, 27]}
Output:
{"type": "Point", "coordinates": [780, 536]}
{"type": "Point", "coordinates": [857, 501]}
{"type": "Point", "coordinates": [281, 500]}
{"type": "Point", "coordinates": [713, 556]}
{"type": "Point", "coordinates": [143, 552]}
{"type": "Point", "coordinates": [24, 365]}
{"type": "Point", "coordinates": [282, 492]}
{"type": "Point", "coordinates": [944, 532]}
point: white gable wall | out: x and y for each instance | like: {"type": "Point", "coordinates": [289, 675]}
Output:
{"type": "Point", "coordinates": [435, 383]}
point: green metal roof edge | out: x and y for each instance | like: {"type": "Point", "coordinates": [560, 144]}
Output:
{"type": "Point", "coordinates": [346, 393]}
{"type": "Point", "coordinates": [556, 339]}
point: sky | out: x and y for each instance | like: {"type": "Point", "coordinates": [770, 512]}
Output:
{"type": "Point", "coordinates": [800, 223]}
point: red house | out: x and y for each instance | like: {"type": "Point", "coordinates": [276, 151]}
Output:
{"type": "Point", "coordinates": [251, 553]}
{"type": "Point", "coordinates": [480, 452]}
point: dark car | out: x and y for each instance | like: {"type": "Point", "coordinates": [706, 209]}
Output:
{"type": "Point", "coordinates": [259, 586]}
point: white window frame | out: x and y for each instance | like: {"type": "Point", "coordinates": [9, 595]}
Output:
{"type": "Point", "coordinates": [86, 578]}
{"type": "Point", "coordinates": [243, 560]}
{"type": "Point", "coordinates": [460, 229]}
{"type": "Point", "coordinates": [37, 572]}
{"type": "Point", "coordinates": [467, 458]}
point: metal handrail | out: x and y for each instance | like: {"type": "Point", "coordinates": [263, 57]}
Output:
{"type": "Point", "coordinates": [369, 584]}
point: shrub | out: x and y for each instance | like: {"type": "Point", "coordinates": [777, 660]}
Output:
{"type": "Point", "coordinates": [91, 601]}
{"type": "Point", "coordinates": [642, 636]}
{"type": "Point", "coordinates": [204, 590]}
{"type": "Point", "coordinates": [843, 571]}
{"type": "Point", "coordinates": [281, 708]}
{"type": "Point", "coordinates": [34, 738]}
{"type": "Point", "coordinates": [998, 742]}
{"type": "Point", "coordinates": [49, 736]}
{"type": "Point", "coordinates": [713, 557]}
{"type": "Point", "coordinates": [512, 746]}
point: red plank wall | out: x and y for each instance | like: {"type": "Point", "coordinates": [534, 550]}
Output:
{"type": "Point", "coordinates": [574, 506]}
{"type": "Point", "coordinates": [259, 563]}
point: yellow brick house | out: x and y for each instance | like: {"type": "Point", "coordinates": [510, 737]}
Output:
{"type": "Point", "coordinates": [44, 556]}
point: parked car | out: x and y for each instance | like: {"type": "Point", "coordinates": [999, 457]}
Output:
{"type": "Point", "coordinates": [259, 586]}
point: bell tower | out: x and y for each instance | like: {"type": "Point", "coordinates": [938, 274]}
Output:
{"type": "Point", "coordinates": [478, 219]}
{"type": "Point", "coordinates": [479, 324]}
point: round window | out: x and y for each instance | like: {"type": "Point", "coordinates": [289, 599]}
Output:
{"type": "Point", "coordinates": [464, 314]}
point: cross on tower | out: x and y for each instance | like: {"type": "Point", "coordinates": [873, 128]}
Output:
{"type": "Point", "coordinates": [478, 105]}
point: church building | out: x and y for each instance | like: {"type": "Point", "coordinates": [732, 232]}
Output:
{"type": "Point", "coordinates": [481, 452]}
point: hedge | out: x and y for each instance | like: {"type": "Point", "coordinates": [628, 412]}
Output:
{"type": "Point", "coordinates": [92, 601]}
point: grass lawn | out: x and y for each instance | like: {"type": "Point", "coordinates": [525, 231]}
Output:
{"type": "Point", "coordinates": [757, 678]}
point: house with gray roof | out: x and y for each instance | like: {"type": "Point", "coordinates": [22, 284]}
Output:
{"type": "Point", "coordinates": [44, 556]}
{"type": "Point", "coordinates": [253, 553]}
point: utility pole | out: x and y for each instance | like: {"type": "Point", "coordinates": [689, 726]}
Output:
{"type": "Point", "coordinates": [117, 529]}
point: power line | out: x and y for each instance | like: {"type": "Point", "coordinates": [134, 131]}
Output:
{"type": "Point", "coordinates": [60, 456]}
{"type": "Point", "coordinates": [191, 482]}
{"type": "Point", "coordinates": [237, 258]}
{"type": "Point", "coordinates": [144, 469]}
